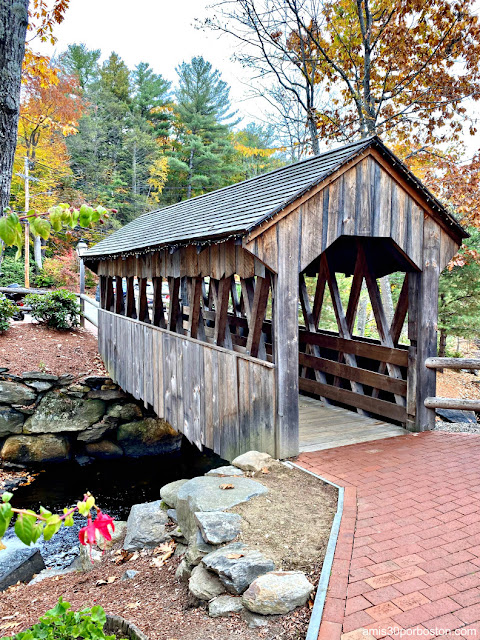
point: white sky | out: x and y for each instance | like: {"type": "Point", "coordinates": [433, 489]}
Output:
{"type": "Point", "coordinates": [162, 33]}
{"type": "Point", "coordinates": [159, 32]}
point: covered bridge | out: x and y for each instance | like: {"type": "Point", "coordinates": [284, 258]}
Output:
{"type": "Point", "coordinates": [239, 277]}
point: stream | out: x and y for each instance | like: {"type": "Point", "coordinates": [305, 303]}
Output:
{"type": "Point", "coordinates": [116, 484]}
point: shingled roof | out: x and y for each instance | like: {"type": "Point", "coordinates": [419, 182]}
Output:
{"type": "Point", "coordinates": [237, 209]}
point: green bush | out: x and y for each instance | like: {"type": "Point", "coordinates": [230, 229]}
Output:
{"type": "Point", "coordinates": [61, 623]}
{"type": "Point", "coordinates": [7, 311]}
{"type": "Point", "coordinates": [12, 271]}
{"type": "Point", "coordinates": [43, 279]}
{"type": "Point", "coordinates": [56, 309]}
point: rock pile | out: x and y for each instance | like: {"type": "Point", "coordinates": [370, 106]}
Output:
{"type": "Point", "coordinates": [47, 418]}
{"type": "Point", "coordinates": [228, 575]}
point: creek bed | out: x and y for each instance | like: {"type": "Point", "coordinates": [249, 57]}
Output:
{"type": "Point", "coordinates": [116, 484]}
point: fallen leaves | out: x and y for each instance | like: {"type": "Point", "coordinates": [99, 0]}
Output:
{"type": "Point", "coordinates": [123, 556]}
{"type": "Point", "coordinates": [227, 486]}
{"type": "Point", "coordinates": [9, 625]}
{"type": "Point", "coordinates": [109, 580]}
{"type": "Point", "coordinates": [165, 551]}
{"type": "Point", "coordinates": [235, 556]}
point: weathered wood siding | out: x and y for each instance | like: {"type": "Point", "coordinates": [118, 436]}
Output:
{"type": "Point", "coordinates": [217, 398]}
{"type": "Point", "coordinates": [365, 201]}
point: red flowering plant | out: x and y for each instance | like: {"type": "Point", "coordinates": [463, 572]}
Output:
{"type": "Point", "coordinates": [29, 526]}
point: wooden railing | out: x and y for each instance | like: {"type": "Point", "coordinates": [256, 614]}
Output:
{"type": "Point", "coordinates": [453, 403]}
{"type": "Point", "coordinates": [88, 309]}
{"type": "Point", "coordinates": [367, 383]}
{"type": "Point", "coordinates": [216, 397]}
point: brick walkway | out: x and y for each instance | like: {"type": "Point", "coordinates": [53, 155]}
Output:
{"type": "Point", "coordinates": [408, 552]}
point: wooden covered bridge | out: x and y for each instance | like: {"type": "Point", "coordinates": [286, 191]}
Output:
{"type": "Point", "coordinates": [224, 356]}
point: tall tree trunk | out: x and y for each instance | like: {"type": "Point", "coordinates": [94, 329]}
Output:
{"type": "Point", "coordinates": [13, 29]}
{"type": "Point", "coordinates": [362, 311]}
{"type": "Point", "coordinates": [312, 128]}
{"type": "Point", "coordinates": [190, 174]}
{"type": "Point", "coordinates": [442, 346]}
{"type": "Point", "coordinates": [37, 251]}
{"type": "Point", "coordinates": [386, 295]}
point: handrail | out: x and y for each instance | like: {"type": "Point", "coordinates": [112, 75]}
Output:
{"type": "Point", "coordinates": [90, 315]}
{"type": "Point", "coordinates": [452, 403]}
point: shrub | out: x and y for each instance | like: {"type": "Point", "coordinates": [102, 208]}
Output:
{"type": "Point", "coordinates": [7, 311]}
{"type": "Point", "coordinates": [61, 271]}
{"type": "Point", "coordinates": [13, 271]}
{"type": "Point", "coordinates": [61, 622]}
{"type": "Point", "coordinates": [56, 309]}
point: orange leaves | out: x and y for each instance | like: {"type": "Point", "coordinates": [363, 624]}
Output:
{"type": "Point", "coordinates": [43, 16]}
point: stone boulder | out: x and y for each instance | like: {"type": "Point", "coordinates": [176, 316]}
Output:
{"type": "Point", "coordinates": [237, 566]}
{"type": "Point", "coordinates": [225, 472]}
{"type": "Point", "coordinates": [95, 432]}
{"type": "Point", "coordinates": [11, 421]}
{"type": "Point", "coordinates": [197, 549]}
{"type": "Point", "coordinates": [39, 375]}
{"type": "Point", "coordinates": [40, 385]}
{"type": "Point", "coordinates": [58, 412]}
{"type": "Point", "coordinates": [224, 606]}
{"type": "Point", "coordinates": [218, 527]}
{"type": "Point", "coordinates": [19, 565]}
{"type": "Point", "coordinates": [183, 572]}
{"type": "Point", "coordinates": [204, 585]}
{"type": "Point", "coordinates": [126, 412]}
{"type": "Point", "coordinates": [277, 592]}
{"type": "Point", "coordinates": [206, 494]}
{"type": "Point", "coordinates": [168, 493]}
{"type": "Point", "coordinates": [16, 393]}
{"type": "Point", "coordinates": [42, 448]}
{"type": "Point", "coordinates": [145, 526]}
{"type": "Point", "coordinates": [103, 449]}
{"type": "Point", "coordinates": [151, 436]}
{"type": "Point", "coordinates": [253, 461]}
{"type": "Point", "coordinates": [107, 394]}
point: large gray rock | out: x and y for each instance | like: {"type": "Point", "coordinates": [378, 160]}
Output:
{"type": "Point", "coordinates": [205, 494]}
{"type": "Point", "coordinates": [218, 527]}
{"type": "Point", "coordinates": [126, 412]}
{"type": "Point", "coordinates": [16, 393]}
{"type": "Point", "coordinates": [224, 606]}
{"type": "Point", "coordinates": [40, 385]}
{"type": "Point", "coordinates": [151, 436]}
{"type": "Point", "coordinates": [168, 493]}
{"type": "Point", "coordinates": [95, 432]}
{"type": "Point", "coordinates": [197, 549]}
{"type": "Point", "coordinates": [103, 449]}
{"type": "Point", "coordinates": [145, 526]}
{"type": "Point", "coordinates": [277, 592]}
{"type": "Point", "coordinates": [224, 472]}
{"type": "Point", "coordinates": [253, 461]}
{"type": "Point", "coordinates": [19, 565]}
{"type": "Point", "coordinates": [183, 572]}
{"type": "Point", "coordinates": [237, 566]}
{"type": "Point", "coordinates": [58, 412]}
{"type": "Point", "coordinates": [39, 375]}
{"type": "Point", "coordinates": [204, 585]}
{"type": "Point", "coordinates": [11, 421]}
{"type": "Point", "coordinates": [42, 448]}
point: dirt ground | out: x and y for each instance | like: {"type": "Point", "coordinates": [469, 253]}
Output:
{"type": "Point", "coordinates": [458, 384]}
{"type": "Point", "coordinates": [33, 347]}
{"type": "Point", "coordinates": [161, 607]}
{"type": "Point", "coordinates": [290, 530]}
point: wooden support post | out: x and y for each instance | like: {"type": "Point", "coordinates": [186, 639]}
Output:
{"type": "Point", "coordinates": [143, 314]}
{"type": "Point", "coordinates": [174, 316]}
{"type": "Point", "coordinates": [103, 292]}
{"type": "Point", "coordinates": [119, 301]}
{"type": "Point", "coordinates": [158, 311]}
{"type": "Point", "coordinates": [195, 307]}
{"type": "Point", "coordinates": [109, 295]}
{"type": "Point", "coordinates": [427, 314]}
{"type": "Point", "coordinates": [285, 328]}
{"type": "Point", "coordinates": [131, 310]}
{"type": "Point", "coordinates": [221, 311]}
{"type": "Point", "coordinates": [259, 308]}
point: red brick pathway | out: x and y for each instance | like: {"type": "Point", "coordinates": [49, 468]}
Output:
{"type": "Point", "coordinates": [408, 552]}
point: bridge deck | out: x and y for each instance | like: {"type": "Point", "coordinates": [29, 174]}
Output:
{"type": "Point", "coordinates": [324, 427]}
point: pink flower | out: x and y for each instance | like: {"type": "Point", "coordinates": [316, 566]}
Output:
{"type": "Point", "coordinates": [88, 534]}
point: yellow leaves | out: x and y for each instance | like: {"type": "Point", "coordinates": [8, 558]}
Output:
{"type": "Point", "coordinates": [250, 152]}
{"type": "Point", "coordinates": [158, 171]}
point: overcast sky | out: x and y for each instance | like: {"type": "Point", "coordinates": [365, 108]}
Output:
{"type": "Point", "coordinates": [160, 32]}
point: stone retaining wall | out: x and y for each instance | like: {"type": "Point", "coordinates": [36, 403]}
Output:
{"type": "Point", "coordinates": [47, 418]}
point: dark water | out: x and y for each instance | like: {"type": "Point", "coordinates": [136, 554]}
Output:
{"type": "Point", "coordinates": [116, 485]}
